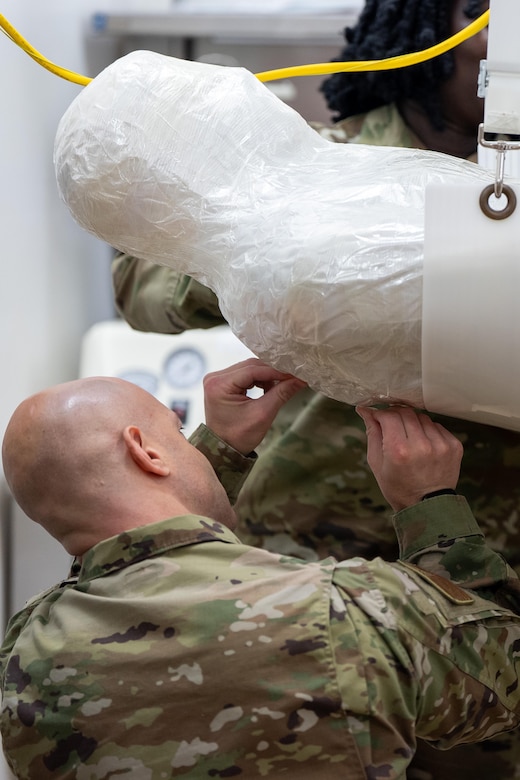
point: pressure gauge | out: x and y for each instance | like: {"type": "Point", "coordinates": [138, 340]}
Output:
{"type": "Point", "coordinates": [185, 367]}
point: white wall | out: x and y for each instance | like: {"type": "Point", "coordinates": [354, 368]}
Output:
{"type": "Point", "coordinates": [54, 277]}
{"type": "Point", "coordinates": [49, 266]}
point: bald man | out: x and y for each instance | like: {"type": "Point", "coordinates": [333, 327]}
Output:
{"type": "Point", "coordinates": [173, 650]}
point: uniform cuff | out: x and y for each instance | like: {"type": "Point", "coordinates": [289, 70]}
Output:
{"type": "Point", "coordinates": [433, 522]}
{"type": "Point", "coordinates": [230, 466]}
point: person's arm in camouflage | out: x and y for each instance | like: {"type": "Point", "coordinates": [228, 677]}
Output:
{"type": "Point", "coordinates": [156, 298]}
{"type": "Point", "coordinates": [236, 423]}
{"type": "Point", "coordinates": [436, 632]}
{"type": "Point", "coordinates": [414, 458]}
{"type": "Point", "coordinates": [230, 466]}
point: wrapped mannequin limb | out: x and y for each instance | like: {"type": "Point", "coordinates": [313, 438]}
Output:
{"type": "Point", "coordinates": [314, 249]}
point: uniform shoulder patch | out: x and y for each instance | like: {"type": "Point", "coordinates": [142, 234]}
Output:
{"type": "Point", "coordinates": [450, 590]}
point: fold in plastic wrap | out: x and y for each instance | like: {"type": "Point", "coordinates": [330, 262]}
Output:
{"type": "Point", "coordinates": [314, 249]}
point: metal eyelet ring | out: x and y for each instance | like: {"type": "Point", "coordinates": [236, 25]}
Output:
{"type": "Point", "coordinates": [497, 213]}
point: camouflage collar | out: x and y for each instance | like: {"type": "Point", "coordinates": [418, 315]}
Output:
{"type": "Point", "coordinates": [143, 542]}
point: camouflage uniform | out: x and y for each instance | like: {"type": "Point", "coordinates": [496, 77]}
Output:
{"type": "Point", "coordinates": [312, 493]}
{"type": "Point", "coordinates": [177, 651]}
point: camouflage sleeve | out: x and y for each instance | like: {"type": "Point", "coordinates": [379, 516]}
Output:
{"type": "Point", "coordinates": [230, 466]}
{"type": "Point", "coordinates": [19, 620]}
{"type": "Point", "coordinates": [156, 298]}
{"type": "Point", "coordinates": [419, 660]}
{"type": "Point", "coordinates": [441, 535]}
{"type": "Point", "coordinates": [442, 657]}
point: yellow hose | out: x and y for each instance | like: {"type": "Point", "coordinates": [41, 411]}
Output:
{"type": "Point", "coordinates": [20, 41]}
{"type": "Point", "coordinates": [318, 69]}
{"type": "Point", "coordinates": [401, 61]}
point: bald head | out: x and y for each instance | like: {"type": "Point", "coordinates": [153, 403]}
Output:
{"type": "Point", "coordinates": [57, 443]}
{"type": "Point", "coordinates": [81, 458]}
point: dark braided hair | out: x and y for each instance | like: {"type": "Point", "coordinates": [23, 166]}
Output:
{"type": "Point", "coordinates": [387, 28]}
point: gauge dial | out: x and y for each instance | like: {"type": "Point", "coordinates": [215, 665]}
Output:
{"type": "Point", "coordinates": [185, 367]}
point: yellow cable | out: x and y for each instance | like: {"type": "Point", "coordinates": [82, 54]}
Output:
{"type": "Point", "coordinates": [401, 61]}
{"type": "Point", "coordinates": [15, 36]}
{"type": "Point", "coordinates": [318, 69]}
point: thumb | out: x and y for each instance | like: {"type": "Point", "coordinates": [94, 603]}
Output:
{"type": "Point", "coordinates": [374, 434]}
{"type": "Point", "coordinates": [282, 392]}
{"type": "Point", "coordinates": [367, 415]}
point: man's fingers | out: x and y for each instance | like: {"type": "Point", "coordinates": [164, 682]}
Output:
{"type": "Point", "coordinates": [374, 435]}
{"type": "Point", "coordinates": [397, 423]}
{"type": "Point", "coordinates": [243, 376]}
{"type": "Point", "coordinates": [440, 438]}
{"type": "Point", "coordinates": [286, 388]}
{"type": "Point", "coordinates": [278, 395]}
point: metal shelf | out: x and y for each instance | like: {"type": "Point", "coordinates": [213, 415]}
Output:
{"type": "Point", "coordinates": [325, 28]}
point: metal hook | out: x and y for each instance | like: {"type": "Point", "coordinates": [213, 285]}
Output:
{"type": "Point", "coordinates": [498, 188]}
{"type": "Point", "coordinates": [499, 172]}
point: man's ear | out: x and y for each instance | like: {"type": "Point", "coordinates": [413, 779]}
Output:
{"type": "Point", "coordinates": [146, 457]}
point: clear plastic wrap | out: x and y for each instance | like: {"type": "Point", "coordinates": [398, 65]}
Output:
{"type": "Point", "coordinates": [314, 249]}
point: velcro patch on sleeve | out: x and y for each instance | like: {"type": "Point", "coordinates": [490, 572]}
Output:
{"type": "Point", "coordinates": [450, 590]}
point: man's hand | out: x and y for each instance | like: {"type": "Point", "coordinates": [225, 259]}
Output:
{"type": "Point", "coordinates": [409, 454]}
{"type": "Point", "coordinates": [239, 420]}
